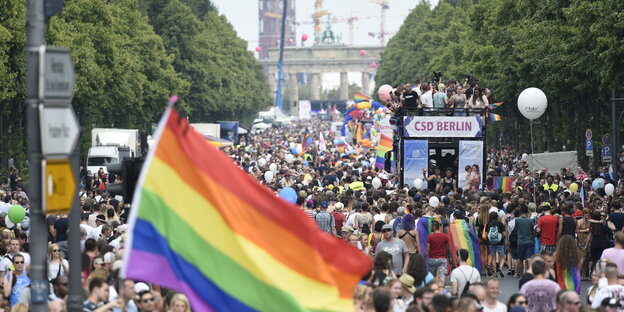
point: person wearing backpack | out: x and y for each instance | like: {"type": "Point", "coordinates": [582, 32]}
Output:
{"type": "Point", "coordinates": [496, 243]}
{"type": "Point", "coordinates": [513, 243]}
{"type": "Point", "coordinates": [464, 275]}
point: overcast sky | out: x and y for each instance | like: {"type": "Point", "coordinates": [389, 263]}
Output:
{"type": "Point", "coordinates": [243, 15]}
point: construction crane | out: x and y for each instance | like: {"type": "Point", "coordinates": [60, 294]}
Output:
{"type": "Point", "coordinates": [384, 6]}
{"type": "Point", "coordinates": [350, 20]}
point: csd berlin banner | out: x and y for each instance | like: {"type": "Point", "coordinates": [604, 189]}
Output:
{"type": "Point", "coordinates": [416, 158]}
{"type": "Point", "coordinates": [470, 165]}
{"type": "Point", "coordinates": [458, 127]}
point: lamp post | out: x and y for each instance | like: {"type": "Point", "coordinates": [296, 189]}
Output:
{"type": "Point", "coordinates": [532, 103]}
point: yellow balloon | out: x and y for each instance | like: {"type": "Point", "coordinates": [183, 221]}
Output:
{"type": "Point", "coordinates": [573, 187]}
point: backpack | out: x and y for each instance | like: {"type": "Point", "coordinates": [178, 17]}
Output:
{"type": "Point", "coordinates": [494, 236]}
{"type": "Point", "coordinates": [397, 225]}
{"type": "Point", "coordinates": [467, 285]}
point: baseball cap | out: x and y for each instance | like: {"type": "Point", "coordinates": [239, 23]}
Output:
{"type": "Point", "coordinates": [324, 204]}
{"type": "Point", "coordinates": [100, 217]}
{"type": "Point", "coordinates": [386, 227]}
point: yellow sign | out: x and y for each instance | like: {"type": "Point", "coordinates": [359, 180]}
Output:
{"type": "Point", "coordinates": [59, 186]}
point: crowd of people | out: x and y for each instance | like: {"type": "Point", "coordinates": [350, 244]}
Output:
{"type": "Point", "coordinates": [546, 234]}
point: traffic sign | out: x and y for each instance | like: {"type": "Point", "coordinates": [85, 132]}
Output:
{"type": "Point", "coordinates": [588, 134]}
{"type": "Point", "coordinates": [59, 130]}
{"type": "Point", "coordinates": [607, 153]}
{"type": "Point", "coordinates": [589, 148]}
{"type": "Point", "coordinates": [606, 139]}
{"type": "Point", "coordinates": [57, 71]}
{"type": "Point", "coordinates": [59, 186]}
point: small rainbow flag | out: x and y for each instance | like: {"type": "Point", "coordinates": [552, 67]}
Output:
{"type": "Point", "coordinates": [463, 236]}
{"type": "Point", "coordinates": [495, 105]}
{"type": "Point", "coordinates": [569, 279]}
{"type": "Point", "coordinates": [505, 184]}
{"type": "Point", "coordinates": [202, 226]}
{"type": "Point", "coordinates": [495, 117]}
{"type": "Point", "coordinates": [358, 97]}
{"type": "Point", "coordinates": [305, 142]}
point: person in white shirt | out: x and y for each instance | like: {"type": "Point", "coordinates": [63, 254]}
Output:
{"type": "Point", "coordinates": [463, 274]}
{"type": "Point", "coordinates": [426, 99]}
{"type": "Point", "coordinates": [613, 288]}
{"type": "Point", "coordinates": [492, 290]}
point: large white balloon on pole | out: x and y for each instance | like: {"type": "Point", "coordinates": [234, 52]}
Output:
{"type": "Point", "coordinates": [532, 103]}
{"type": "Point", "coordinates": [609, 189]}
{"type": "Point", "coordinates": [434, 201]}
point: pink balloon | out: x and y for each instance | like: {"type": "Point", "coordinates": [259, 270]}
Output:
{"type": "Point", "coordinates": [362, 52]}
{"type": "Point", "coordinates": [258, 49]}
{"type": "Point", "coordinates": [304, 37]}
{"type": "Point", "coordinates": [384, 92]}
{"type": "Point", "coordinates": [374, 65]}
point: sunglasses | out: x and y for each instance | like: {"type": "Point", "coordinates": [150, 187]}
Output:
{"type": "Point", "coordinates": [386, 230]}
{"type": "Point", "coordinates": [56, 250]}
{"type": "Point", "coordinates": [18, 262]}
{"type": "Point", "coordinates": [522, 302]}
{"type": "Point", "coordinates": [148, 300]}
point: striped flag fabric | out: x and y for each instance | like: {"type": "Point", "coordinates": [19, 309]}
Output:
{"type": "Point", "coordinates": [495, 105]}
{"type": "Point", "coordinates": [202, 226]}
{"type": "Point", "coordinates": [505, 184]}
{"type": "Point", "coordinates": [305, 142]}
{"type": "Point", "coordinates": [495, 117]}
{"type": "Point", "coordinates": [570, 278]}
{"type": "Point", "coordinates": [423, 227]}
{"type": "Point", "coordinates": [463, 236]}
{"type": "Point", "coordinates": [358, 97]}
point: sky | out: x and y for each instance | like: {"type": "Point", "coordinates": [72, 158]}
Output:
{"type": "Point", "coordinates": [243, 15]}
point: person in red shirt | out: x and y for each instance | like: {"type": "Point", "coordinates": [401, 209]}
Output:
{"type": "Point", "coordinates": [547, 228]}
{"type": "Point", "coordinates": [437, 246]}
{"type": "Point", "coordinates": [339, 217]}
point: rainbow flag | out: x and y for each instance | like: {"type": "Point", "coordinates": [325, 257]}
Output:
{"type": "Point", "coordinates": [495, 105]}
{"type": "Point", "coordinates": [305, 142]}
{"type": "Point", "coordinates": [384, 146]}
{"type": "Point", "coordinates": [569, 279]}
{"type": "Point", "coordinates": [495, 117]}
{"type": "Point", "coordinates": [358, 97]}
{"type": "Point", "coordinates": [505, 184]}
{"type": "Point", "coordinates": [202, 226]}
{"type": "Point", "coordinates": [423, 227]}
{"type": "Point", "coordinates": [463, 236]}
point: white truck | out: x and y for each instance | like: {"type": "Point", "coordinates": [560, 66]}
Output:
{"type": "Point", "coordinates": [111, 146]}
{"type": "Point", "coordinates": [211, 129]}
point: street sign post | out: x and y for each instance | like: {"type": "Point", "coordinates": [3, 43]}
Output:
{"type": "Point", "coordinates": [588, 134]}
{"type": "Point", "coordinates": [59, 130]}
{"type": "Point", "coordinates": [56, 75]}
{"type": "Point", "coordinates": [607, 149]}
{"type": "Point", "coordinates": [589, 148]}
{"type": "Point", "coordinates": [59, 186]}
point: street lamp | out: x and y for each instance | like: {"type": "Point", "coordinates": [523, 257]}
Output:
{"type": "Point", "coordinates": [532, 104]}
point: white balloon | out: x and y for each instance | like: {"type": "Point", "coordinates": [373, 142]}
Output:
{"type": "Point", "coordinates": [532, 103]}
{"type": "Point", "coordinates": [268, 157]}
{"type": "Point", "coordinates": [291, 145]}
{"type": "Point", "coordinates": [8, 222]}
{"type": "Point", "coordinates": [376, 182]}
{"type": "Point", "coordinates": [273, 167]}
{"type": "Point", "coordinates": [609, 189]}
{"type": "Point", "coordinates": [289, 158]}
{"type": "Point", "coordinates": [525, 157]}
{"type": "Point", "coordinates": [268, 176]}
{"type": "Point", "coordinates": [262, 162]}
{"type": "Point", "coordinates": [299, 149]}
{"type": "Point", "coordinates": [418, 184]}
{"type": "Point", "coordinates": [602, 182]}
{"type": "Point", "coordinates": [434, 202]}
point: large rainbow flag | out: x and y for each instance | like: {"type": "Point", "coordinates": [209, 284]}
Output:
{"type": "Point", "coordinates": [202, 226]}
{"type": "Point", "coordinates": [463, 236]}
{"type": "Point", "coordinates": [384, 146]}
{"type": "Point", "coordinates": [569, 279]}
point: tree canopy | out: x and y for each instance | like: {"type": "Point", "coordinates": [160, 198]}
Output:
{"type": "Point", "coordinates": [129, 57]}
{"type": "Point", "coordinates": [571, 49]}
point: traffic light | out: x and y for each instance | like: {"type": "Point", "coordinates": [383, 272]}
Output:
{"type": "Point", "coordinates": [128, 172]}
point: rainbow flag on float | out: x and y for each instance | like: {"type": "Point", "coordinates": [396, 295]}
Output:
{"type": "Point", "coordinates": [463, 236]}
{"type": "Point", "coordinates": [202, 226]}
